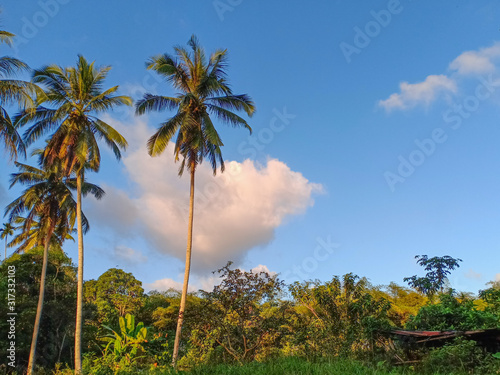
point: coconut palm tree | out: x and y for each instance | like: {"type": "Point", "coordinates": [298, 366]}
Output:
{"type": "Point", "coordinates": [48, 201]}
{"type": "Point", "coordinates": [33, 237]}
{"type": "Point", "coordinates": [7, 230]}
{"type": "Point", "coordinates": [12, 92]}
{"type": "Point", "coordinates": [203, 93]}
{"type": "Point", "coordinates": [75, 98]}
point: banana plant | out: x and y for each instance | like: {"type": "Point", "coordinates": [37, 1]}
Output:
{"type": "Point", "coordinates": [128, 340]}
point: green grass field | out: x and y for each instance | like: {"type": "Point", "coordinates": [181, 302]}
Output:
{"type": "Point", "coordinates": [295, 366]}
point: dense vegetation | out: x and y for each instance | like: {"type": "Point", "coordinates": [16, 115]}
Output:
{"type": "Point", "coordinates": [249, 318]}
{"type": "Point", "coordinates": [250, 322]}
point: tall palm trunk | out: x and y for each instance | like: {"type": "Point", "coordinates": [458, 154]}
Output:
{"type": "Point", "coordinates": [79, 296]}
{"type": "Point", "coordinates": [41, 296]}
{"type": "Point", "coordinates": [182, 307]}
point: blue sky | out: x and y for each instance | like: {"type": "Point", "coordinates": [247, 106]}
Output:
{"type": "Point", "coordinates": [375, 137]}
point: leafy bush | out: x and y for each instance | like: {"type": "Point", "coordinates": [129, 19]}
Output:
{"type": "Point", "coordinates": [460, 356]}
{"type": "Point", "coordinates": [339, 317]}
{"type": "Point", "coordinates": [452, 314]}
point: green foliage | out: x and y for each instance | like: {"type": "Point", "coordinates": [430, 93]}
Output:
{"type": "Point", "coordinates": [452, 313]}
{"type": "Point", "coordinates": [243, 320]}
{"type": "Point", "coordinates": [404, 302]}
{"type": "Point", "coordinates": [130, 348]}
{"type": "Point", "coordinates": [296, 366]}
{"type": "Point", "coordinates": [128, 340]}
{"type": "Point", "coordinates": [492, 298]}
{"type": "Point", "coordinates": [240, 319]}
{"type": "Point", "coordinates": [339, 317]}
{"type": "Point", "coordinates": [460, 356]}
{"type": "Point", "coordinates": [114, 294]}
{"type": "Point", "coordinates": [438, 268]}
{"type": "Point", "coordinates": [57, 323]}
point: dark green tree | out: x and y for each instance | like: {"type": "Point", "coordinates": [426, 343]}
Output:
{"type": "Point", "coordinates": [438, 269]}
{"type": "Point", "coordinates": [114, 294]}
{"type": "Point", "coordinates": [452, 313]}
{"type": "Point", "coordinates": [55, 338]}
{"type": "Point", "coordinates": [241, 316]}
{"type": "Point", "coordinates": [492, 297]}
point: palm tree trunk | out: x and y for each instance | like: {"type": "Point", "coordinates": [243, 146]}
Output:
{"type": "Point", "coordinates": [41, 296]}
{"type": "Point", "coordinates": [182, 307]}
{"type": "Point", "coordinates": [79, 296]}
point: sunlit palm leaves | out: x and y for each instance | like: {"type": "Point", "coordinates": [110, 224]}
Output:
{"type": "Point", "coordinates": [12, 92]}
{"type": "Point", "coordinates": [203, 94]}
{"type": "Point", "coordinates": [47, 201]}
{"type": "Point", "coordinates": [33, 237]}
{"type": "Point", "coordinates": [5, 232]}
{"type": "Point", "coordinates": [73, 100]}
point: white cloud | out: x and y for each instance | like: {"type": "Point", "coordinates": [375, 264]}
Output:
{"type": "Point", "coordinates": [481, 61]}
{"type": "Point", "coordinates": [471, 274]}
{"type": "Point", "coordinates": [234, 211]}
{"type": "Point", "coordinates": [497, 277]}
{"type": "Point", "coordinates": [262, 268]}
{"type": "Point", "coordinates": [476, 62]}
{"type": "Point", "coordinates": [166, 284]}
{"type": "Point", "coordinates": [196, 283]}
{"type": "Point", "coordinates": [129, 255]}
{"type": "Point", "coordinates": [413, 94]}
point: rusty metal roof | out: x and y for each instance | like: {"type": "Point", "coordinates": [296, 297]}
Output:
{"type": "Point", "coordinates": [444, 335]}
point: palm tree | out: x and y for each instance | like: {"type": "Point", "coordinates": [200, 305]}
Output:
{"type": "Point", "coordinates": [76, 97]}
{"type": "Point", "coordinates": [32, 238]}
{"type": "Point", "coordinates": [7, 230]}
{"type": "Point", "coordinates": [12, 92]}
{"type": "Point", "coordinates": [202, 92]}
{"type": "Point", "coordinates": [48, 201]}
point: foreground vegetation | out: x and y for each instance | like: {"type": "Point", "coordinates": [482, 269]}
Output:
{"type": "Point", "coordinates": [248, 323]}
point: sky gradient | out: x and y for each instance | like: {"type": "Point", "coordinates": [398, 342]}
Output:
{"type": "Point", "coordinates": [375, 139]}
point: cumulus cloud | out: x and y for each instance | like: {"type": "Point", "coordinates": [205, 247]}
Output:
{"type": "Point", "coordinates": [476, 62]}
{"type": "Point", "coordinates": [167, 284]}
{"type": "Point", "coordinates": [196, 283]}
{"type": "Point", "coordinates": [129, 255]}
{"type": "Point", "coordinates": [413, 94]}
{"type": "Point", "coordinates": [497, 277]}
{"type": "Point", "coordinates": [115, 204]}
{"type": "Point", "coordinates": [471, 274]}
{"type": "Point", "coordinates": [410, 95]}
{"type": "Point", "coordinates": [262, 268]}
{"type": "Point", "coordinates": [234, 211]}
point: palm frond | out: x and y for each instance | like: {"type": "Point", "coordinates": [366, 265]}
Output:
{"type": "Point", "coordinates": [159, 140]}
{"type": "Point", "coordinates": [155, 103]}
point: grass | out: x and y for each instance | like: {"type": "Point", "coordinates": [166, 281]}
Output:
{"type": "Point", "coordinates": [296, 366]}
{"type": "Point", "coordinates": [283, 366]}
